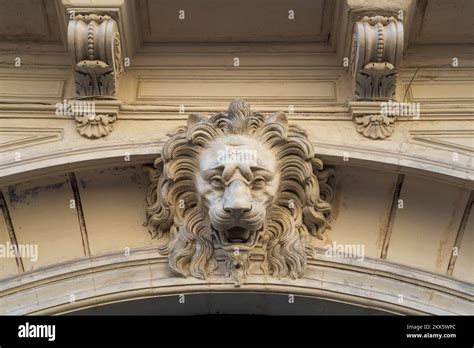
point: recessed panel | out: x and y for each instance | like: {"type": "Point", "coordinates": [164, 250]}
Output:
{"type": "Point", "coordinates": [214, 21]}
{"type": "Point", "coordinates": [444, 22]}
{"type": "Point", "coordinates": [225, 87]}
{"type": "Point", "coordinates": [361, 208]}
{"type": "Point", "coordinates": [28, 20]}
{"type": "Point", "coordinates": [44, 216]}
{"type": "Point", "coordinates": [425, 227]}
{"type": "Point", "coordinates": [113, 201]}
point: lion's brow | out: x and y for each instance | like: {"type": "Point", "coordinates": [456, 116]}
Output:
{"type": "Point", "coordinates": [267, 174]}
{"type": "Point", "coordinates": [213, 171]}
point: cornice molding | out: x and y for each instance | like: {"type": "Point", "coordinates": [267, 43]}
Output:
{"type": "Point", "coordinates": [150, 123]}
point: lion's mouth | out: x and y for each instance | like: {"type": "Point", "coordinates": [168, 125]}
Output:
{"type": "Point", "coordinates": [237, 236]}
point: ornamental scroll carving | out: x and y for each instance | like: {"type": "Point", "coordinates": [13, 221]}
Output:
{"type": "Point", "coordinates": [235, 187]}
{"type": "Point", "coordinates": [377, 47]}
{"type": "Point", "coordinates": [94, 44]}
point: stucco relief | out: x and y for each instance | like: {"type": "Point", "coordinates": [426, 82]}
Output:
{"type": "Point", "coordinates": [236, 184]}
{"type": "Point", "coordinates": [377, 47]}
{"type": "Point", "coordinates": [95, 126]}
{"type": "Point", "coordinates": [375, 126]}
{"type": "Point", "coordinates": [94, 44]}
{"type": "Point", "coordinates": [95, 47]}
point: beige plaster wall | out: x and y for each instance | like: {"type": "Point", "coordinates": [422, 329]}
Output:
{"type": "Point", "coordinates": [113, 202]}
{"type": "Point", "coordinates": [41, 215]}
{"type": "Point", "coordinates": [425, 229]}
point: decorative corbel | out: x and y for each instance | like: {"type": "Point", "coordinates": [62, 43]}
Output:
{"type": "Point", "coordinates": [94, 44]}
{"type": "Point", "coordinates": [377, 47]}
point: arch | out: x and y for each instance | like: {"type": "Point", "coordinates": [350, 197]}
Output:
{"type": "Point", "coordinates": [114, 278]}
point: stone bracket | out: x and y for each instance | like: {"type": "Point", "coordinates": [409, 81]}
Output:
{"type": "Point", "coordinates": [377, 47]}
{"type": "Point", "coordinates": [95, 47]}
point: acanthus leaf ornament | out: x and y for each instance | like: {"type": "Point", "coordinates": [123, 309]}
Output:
{"type": "Point", "coordinates": [95, 47]}
{"type": "Point", "coordinates": [377, 47]}
{"type": "Point", "coordinates": [236, 184]}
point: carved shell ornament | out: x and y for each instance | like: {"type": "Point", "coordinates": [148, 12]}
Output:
{"type": "Point", "coordinates": [95, 126]}
{"type": "Point", "coordinates": [375, 126]}
{"type": "Point", "coordinates": [236, 186]}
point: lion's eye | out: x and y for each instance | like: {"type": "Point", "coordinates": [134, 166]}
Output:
{"type": "Point", "coordinates": [259, 183]}
{"type": "Point", "coordinates": [216, 183]}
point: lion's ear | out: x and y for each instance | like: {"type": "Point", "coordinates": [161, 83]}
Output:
{"type": "Point", "coordinates": [278, 117]}
{"type": "Point", "coordinates": [196, 118]}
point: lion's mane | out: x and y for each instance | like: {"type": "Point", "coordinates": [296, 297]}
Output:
{"type": "Point", "coordinates": [301, 207]}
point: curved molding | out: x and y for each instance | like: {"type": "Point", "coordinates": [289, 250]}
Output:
{"type": "Point", "coordinates": [397, 153]}
{"type": "Point", "coordinates": [151, 123]}
{"type": "Point", "coordinates": [144, 152]}
{"type": "Point", "coordinates": [115, 277]}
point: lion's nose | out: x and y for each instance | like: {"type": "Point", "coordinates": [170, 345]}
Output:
{"type": "Point", "coordinates": [237, 199]}
{"type": "Point", "coordinates": [237, 212]}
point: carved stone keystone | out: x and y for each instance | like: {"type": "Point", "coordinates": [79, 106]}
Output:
{"type": "Point", "coordinates": [237, 185]}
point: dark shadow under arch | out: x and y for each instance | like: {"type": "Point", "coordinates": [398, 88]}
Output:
{"type": "Point", "coordinates": [229, 303]}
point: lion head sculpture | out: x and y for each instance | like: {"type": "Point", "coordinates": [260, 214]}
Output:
{"type": "Point", "coordinates": [238, 182]}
